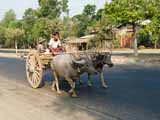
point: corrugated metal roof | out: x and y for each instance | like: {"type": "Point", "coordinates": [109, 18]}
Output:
{"type": "Point", "coordinates": [78, 40]}
{"type": "Point", "coordinates": [87, 36]}
{"type": "Point", "coordinates": [84, 39]}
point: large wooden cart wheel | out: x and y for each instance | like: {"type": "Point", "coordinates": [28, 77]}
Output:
{"type": "Point", "coordinates": [34, 70]}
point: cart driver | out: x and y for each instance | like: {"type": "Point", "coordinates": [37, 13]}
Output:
{"type": "Point", "coordinates": [55, 44]}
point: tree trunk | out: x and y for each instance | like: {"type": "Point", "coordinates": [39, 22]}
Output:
{"type": "Point", "coordinates": [16, 47]}
{"type": "Point", "coordinates": [155, 44]}
{"type": "Point", "coordinates": [135, 41]}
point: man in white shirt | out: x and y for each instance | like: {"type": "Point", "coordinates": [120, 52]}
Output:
{"type": "Point", "coordinates": [55, 43]}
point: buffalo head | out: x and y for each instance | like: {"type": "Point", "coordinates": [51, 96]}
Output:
{"type": "Point", "coordinates": [84, 65]}
{"type": "Point", "coordinates": [104, 58]}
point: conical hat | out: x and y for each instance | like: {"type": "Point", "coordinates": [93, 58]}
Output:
{"type": "Point", "coordinates": [41, 40]}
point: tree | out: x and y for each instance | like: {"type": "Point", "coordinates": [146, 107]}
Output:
{"type": "Point", "coordinates": [83, 21]}
{"type": "Point", "coordinates": [30, 15]}
{"type": "Point", "coordinates": [16, 24]}
{"type": "Point", "coordinates": [2, 34]}
{"type": "Point", "coordinates": [80, 24]}
{"type": "Point", "coordinates": [89, 10]}
{"type": "Point", "coordinates": [99, 14]}
{"type": "Point", "coordinates": [121, 13]}
{"type": "Point", "coordinates": [149, 34]}
{"type": "Point", "coordinates": [13, 37]}
{"type": "Point", "coordinates": [155, 30]}
{"type": "Point", "coordinates": [64, 7]}
{"type": "Point", "coordinates": [9, 17]}
{"type": "Point", "coordinates": [29, 19]}
{"type": "Point", "coordinates": [44, 28]}
{"type": "Point", "coordinates": [52, 8]}
{"type": "Point", "coordinates": [154, 27]}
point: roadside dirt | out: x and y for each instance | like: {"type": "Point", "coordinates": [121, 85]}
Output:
{"type": "Point", "coordinates": [18, 102]}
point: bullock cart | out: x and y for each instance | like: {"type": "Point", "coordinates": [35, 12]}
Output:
{"type": "Point", "coordinates": [36, 63]}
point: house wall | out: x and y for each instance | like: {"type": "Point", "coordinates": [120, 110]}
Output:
{"type": "Point", "coordinates": [126, 37]}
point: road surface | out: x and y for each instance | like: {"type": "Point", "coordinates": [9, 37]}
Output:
{"type": "Point", "coordinates": [133, 94]}
{"type": "Point", "coordinates": [122, 52]}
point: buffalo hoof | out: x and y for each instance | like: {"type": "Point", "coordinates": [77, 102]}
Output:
{"type": "Point", "coordinates": [53, 89]}
{"type": "Point", "coordinates": [81, 82]}
{"type": "Point", "coordinates": [74, 95]}
{"type": "Point", "coordinates": [59, 92]}
{"type": "Point", "coordinates": [105, 86]}
{"type": "Point", "coordinates": [89, 84]}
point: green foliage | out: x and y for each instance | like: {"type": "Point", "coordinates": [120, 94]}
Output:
{"type": "Point", "coordinates": [44, 28]}
{"type": "Point", "coordinates": [9, 17]}
{"type": "Point", "coordinates": [64, 6]}
{"type": "Point", "coordinates": [121, 11]}
{"type": "Point", "coordinates": [52, 8]}
{"type": "Point", "coordinates": [30, 16]}
{"type": "Point", "coordinates": [151, 33]}
{"type": "Point", "coordinates": [155, 30]}
{"type": "Point", "coordinates": [99, 14]}
{"type": "Point", "coordinates": [28, 21]}
{"type": "Point", "coordinates": [16, 24]}
{"type": "Point", "coordinates": [12, 36]}
{"type": "Point", "coordinates": [144, 37]}
{"type": "Point", "coordinates": [83, 22]}
{"type": "Point", "coordinates": [89, 10]}
{"type": "Point", "coordinates": [2, 33]}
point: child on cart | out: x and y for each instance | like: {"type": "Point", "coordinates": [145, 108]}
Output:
{"type": "Point", "coordinates": [55, 44]}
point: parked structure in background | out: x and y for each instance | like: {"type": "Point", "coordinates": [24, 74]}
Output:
{"type": "Point", "coordinates": [84, 43]}
{"type": "Point", "coordinates": [125, 35]}
{"type": "Point", "coordinates": [79, 43]}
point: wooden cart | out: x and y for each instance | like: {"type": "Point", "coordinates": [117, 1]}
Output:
{"type": "Point", "coordinates": [35, 65]}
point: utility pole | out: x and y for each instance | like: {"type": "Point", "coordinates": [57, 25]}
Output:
{"type": "Point", "coordinates": [135, 43]}
{"type": "Point", "coordinates": [135, 47]}
{"type": "Point", "coordinates": [135, 29]}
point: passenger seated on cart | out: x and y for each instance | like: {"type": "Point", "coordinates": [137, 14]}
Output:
{"type": "Point", "coordinates": [40, 46]}
{"type": "Point", "coordinates": [55, 44]}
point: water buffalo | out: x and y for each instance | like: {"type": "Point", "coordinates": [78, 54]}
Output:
{"type": "Point", "coordinates": [66, 66]}
{"type": "Point", "coordinates": [99, 61]}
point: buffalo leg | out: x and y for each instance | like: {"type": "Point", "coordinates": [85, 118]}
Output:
{"type": "Point", "coordinates": [72, 90]}
{"type": "Point", "coordinates": [81, 82]}
{"type": "Point", "coordinates": [56, 83]}
{"type": "Point", "coordinates": [53, 86]}
{"type": "Point", "coordinates": [89, 82]}
{"type": "Point", "coordinates": [102, 80]}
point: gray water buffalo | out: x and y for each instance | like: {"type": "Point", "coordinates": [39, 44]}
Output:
{"type": "Point", "coordinates": [99, 61]}
{"type": "Point", "coordinates": [66, 66]}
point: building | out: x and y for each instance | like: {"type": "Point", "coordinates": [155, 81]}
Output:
{"type": "Point", "coordinates": [126, 33]}
{"type": "Point", "coordinates": [126, 36]}
{"type": "Point", "coordinates": [79, 43]}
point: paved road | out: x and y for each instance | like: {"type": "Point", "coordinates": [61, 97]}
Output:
{"type": "Point", "coordinates": [115, 53]}
{"type": "Point", "coordinates": [134, 94]}
{"type": "Point", "coordinates": [13, 51]}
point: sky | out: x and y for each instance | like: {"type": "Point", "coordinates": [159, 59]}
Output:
{"type": "Point", "coordinates": [19, 6]}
